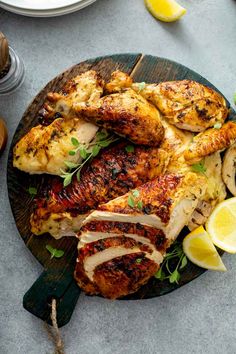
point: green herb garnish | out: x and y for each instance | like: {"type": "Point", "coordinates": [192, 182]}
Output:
{"type": "Point", "coordinates": [32, 191]}
{"type": "Point", "coordinates": [129, 148]}
{"type": "Point", "coordinates": [173, 262]}
{"type": "Point", "coordinates": [87, 152]}
{"type": "Point", "coordinates": [55, 252]}
{"type": "Point", "coordinates": [199, 167]}
{"type": "Point", "coordinates": [217, 125]}
{"type": "Point", "coordinates": [138, 260]}
{"type": "Point", "coordinates": [141, 86]}
{"type": "Point", "coordinates": [132, 200]}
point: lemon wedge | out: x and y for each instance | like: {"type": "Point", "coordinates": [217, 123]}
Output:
{"type": "Point", "coordinates": [221, 225]}
{"type": "Point", "coordinates": [201, 251]}
{"type": "Point", "coordinates": [165, 10]}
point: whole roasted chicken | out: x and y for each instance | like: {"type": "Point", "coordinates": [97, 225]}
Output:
{"type": "Point", "coordinates": [133, 199]}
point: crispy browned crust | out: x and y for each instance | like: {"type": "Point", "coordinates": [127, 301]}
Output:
{"type": "Point", "coordinates": [210, 141]}
{"type": "Point", "coordinates": [51, 110]}
{"type": "Point", "coordinates": [119, 276]}
{"type": "Point", "coordinates": [156, 197]}
{"type": "Point", "coordinates": [187, 104]}
{"type": "Point", "coordinates": [155, 236]}
{"type": "Point", "coordinates": [113, 173]}
{"type": "Point", "coordinates": [119, 81]}
{"type": "Point", "coordinates": [127, 114]}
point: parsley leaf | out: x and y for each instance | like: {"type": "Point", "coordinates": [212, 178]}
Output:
{"type": "Point", "coordinates": [140, 205]}
{"type": "Point", "coordinates": [32, 191]}
{"type": "Point", "coordinates": [55, 252]}
{"type": "Point", "coordinates": [129, 148]}
{"type": "Point", "coordinates": [138, 260]}
{"type": "Point", "coordinates": [75, 142]}
{"type": "Point", "coordinates": [141, 86]}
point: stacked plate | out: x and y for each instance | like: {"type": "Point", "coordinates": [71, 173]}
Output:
{"type": "Point", "coordinates": [44, 8]}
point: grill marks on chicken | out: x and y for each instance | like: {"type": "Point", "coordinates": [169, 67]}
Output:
{"type": "Point", "coordinates": [111, 174]}
{"type": "Point", "coordinates": [166, 207]}
{"type": "Point", "coordinates": [127, 114]}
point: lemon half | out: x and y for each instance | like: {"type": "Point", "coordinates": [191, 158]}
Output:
{"type": "Point", "coordinates": [221, 225]}
{"type": "Point", "coordinates": [201, 251]}
{"type": "Point", "coordinates": [165, 10]}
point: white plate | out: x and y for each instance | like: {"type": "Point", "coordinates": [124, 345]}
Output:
{"type": "Point", "coordinates": [40, 4]}
{"type": "Point", "coordinates": [48, 13]}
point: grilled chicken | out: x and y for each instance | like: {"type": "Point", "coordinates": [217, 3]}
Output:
{"type": "Point", "coordinates": [118, 82]}
{"type": "Point", "coordinates": [210, 141]}
{"type": "Point", "coordinates": [122, 245]}
{"type": "Point", "coordinates": [85, 87]}
{"type": "Point", "coordinates": [229, 169]}
{"type": "Point", "coordinates": [186, 104]}
{"type": "Point", "coordinates": [112, 173]}
{"type": "Point", "coordinates": [215, 191]}
{"type": "Point", "coordinates": [45, 148]}
{"type": "Point", "coordinates": [127, 114]}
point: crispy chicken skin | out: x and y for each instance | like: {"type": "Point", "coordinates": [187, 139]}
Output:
{"type": "Point", "coordinates": [127, 114]}
{"type": "Point", "coordinates": [143, 235]}
{"type": "Point", "coordinates": [45, 148]}
{"type": "Point", "coordinates": [82, 88]}
{"type": "Point", "coordinates": [112, 173]}
{"type": "Point", "coordinates": [210, 141]}
{"type": "Point", "coordinates": [186, 104]}
{"type": "Point", "coordinates": [118, 82]}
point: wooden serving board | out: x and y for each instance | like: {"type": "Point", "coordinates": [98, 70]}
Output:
{"type": "Point", "coordinates": [57, 279]}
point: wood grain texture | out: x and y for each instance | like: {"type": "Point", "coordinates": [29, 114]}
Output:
{"type": "Point", "coordinates": [59, 271]}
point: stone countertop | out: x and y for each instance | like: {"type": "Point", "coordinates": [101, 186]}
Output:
{"type": "Point", "coordinates": [199, 317]}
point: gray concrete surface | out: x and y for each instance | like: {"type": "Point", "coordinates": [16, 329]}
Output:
{"type": "Point", "coordinates": [198, 318]}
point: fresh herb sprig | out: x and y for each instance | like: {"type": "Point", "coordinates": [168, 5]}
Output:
{"type": "Point", "coordinates": [55, 252]}
{"type": "Point", "coordinates": [87, 152]}
{"type": "Point", "coordinates": [199, 167]}
{"type": "Point", "coordinates": [32, 191]}
{"type": "Point", "coordinates": [173, 262]}
{"type": "Point", "coordinates": [234, 98]}
{"type": "Point", "coordinates": [133, 202]}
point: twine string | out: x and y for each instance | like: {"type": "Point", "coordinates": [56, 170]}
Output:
{"type": "Point", "coordinates": [54, 332]}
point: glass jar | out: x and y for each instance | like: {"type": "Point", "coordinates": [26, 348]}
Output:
{"type": "Point", "coordinates": [14, 77]}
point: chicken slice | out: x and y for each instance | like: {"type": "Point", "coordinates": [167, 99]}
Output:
{"type": "Point", "coordinates": [210, 141]}
{"type": "Point", "coordinates": [127, 114]}
{"type": "Point", "coordinates": [45, 148]}
{"type": "Point", "coordinates": [111, 174]}
{"type": "Point", "coordinates": [186, 104]}
{"type": "Point", "coordinates": [229, 169]}
{"type": "Point", "coordinates": [214, 194]}
{"type": "Point", "coordinates": [117, 270]}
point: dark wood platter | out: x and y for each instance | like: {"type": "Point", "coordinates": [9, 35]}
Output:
{"type": "Point", "coordinates": [57, 279]}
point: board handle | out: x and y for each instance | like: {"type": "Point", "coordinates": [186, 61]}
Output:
{"type": "Point", "coordinates": [53, 284]}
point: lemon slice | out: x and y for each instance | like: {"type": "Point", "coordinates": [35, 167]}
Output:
{"type": "Point", "coordinates": [201, 251]}
{"type": "Point", "coordinates": [165, 10]}
{"type": "Point", "coordinates": [221, 225]}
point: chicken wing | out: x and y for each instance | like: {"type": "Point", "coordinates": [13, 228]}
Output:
{"type": "Point", "coordinates": [123, 243]}
{"type": "Point", "coordinates": [127, 114]}
{"type": "Point", "coordinates": [210, 141]}
{"type": "Point", "coordinates": [112, 173]}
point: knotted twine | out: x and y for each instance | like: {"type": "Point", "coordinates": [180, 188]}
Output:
{"type": "Point", "coordinates": [54, 332]}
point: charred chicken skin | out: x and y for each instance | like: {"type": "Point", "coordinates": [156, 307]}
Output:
{"type": "Point", "coordinates": [112, 173]}
{"type": "Point", "coordinates": [121, 246]}
{"type": "Point", "coordinates": [127, 114]}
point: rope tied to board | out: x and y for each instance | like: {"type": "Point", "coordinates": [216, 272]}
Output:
{"type": "Point", "coordinates": [54, 332]}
